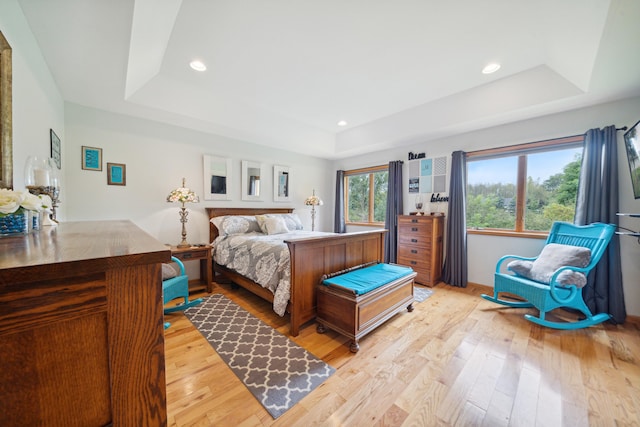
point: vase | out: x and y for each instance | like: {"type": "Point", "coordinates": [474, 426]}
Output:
{"type": "Point", "coordinates": [35, 220]}
{"type": "Point", "coordinates": [15, 223]}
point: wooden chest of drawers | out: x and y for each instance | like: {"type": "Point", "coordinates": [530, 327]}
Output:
{"type": "Point", "coordinates": [420, 246]}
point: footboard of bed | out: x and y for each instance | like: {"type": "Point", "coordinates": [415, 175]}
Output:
{"type": "Point", "coordinates": [312, 257]}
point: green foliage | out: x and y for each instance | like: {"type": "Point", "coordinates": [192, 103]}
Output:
{"type": "Point", "coordinates": [493, 205]}
{"type": "Point", "coordinates": [488, 212]}
{"type": "Point", "coordinates": [359, 203]}
{"type": "Point", "coordinates": [358, 198]}
{"type": "Point", "coordinates": [567, 189]}
{"type": "Point", "coordinates": [381, 184]}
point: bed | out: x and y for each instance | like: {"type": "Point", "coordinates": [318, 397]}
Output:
{"type": "Point", "coordinates": [310, 258]}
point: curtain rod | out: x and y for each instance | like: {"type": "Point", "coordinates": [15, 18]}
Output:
{"type": "Point", "coordinates": [617, 130]}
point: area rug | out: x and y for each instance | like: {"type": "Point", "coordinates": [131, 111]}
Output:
{"type": "Point", "coordinates": [277, 371]}
{"type": "Point", "coordinates": [420, 293]}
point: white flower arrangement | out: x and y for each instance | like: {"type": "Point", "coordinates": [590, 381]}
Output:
{"type": "Point", "coordinates": [12, 202]}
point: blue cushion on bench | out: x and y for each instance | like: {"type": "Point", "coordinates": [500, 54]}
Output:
{"type": "Point", "coordinates": [369, 278]}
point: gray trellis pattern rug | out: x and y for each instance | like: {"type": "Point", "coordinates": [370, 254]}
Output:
{"type": "Point", "coordinates": [277, 371]}
{"type": "Point", "coordinates": [420, 293]}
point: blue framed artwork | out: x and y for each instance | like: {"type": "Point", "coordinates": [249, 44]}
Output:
{"type": "Point", "coordinates": [426, 167]}
{"type": "Point", "coordinates": [91, 158]}
{"type": "Point", "coordinates": [116, 174]}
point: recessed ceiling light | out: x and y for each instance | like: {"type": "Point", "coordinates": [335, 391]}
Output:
{"type": "Point", "coordinates": [491, 68]}
{"type": "Point", "coordinates": [342, 123]}
{"type": "Point", "coordinates": [198, 65]}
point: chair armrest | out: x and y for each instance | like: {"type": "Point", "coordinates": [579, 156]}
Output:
{"type": "Point", "coordinates": [180, 264]}
{"type": "Point", "coordinates": [554, 284]}
{"type": "Point", "coordinates": [515, 257]}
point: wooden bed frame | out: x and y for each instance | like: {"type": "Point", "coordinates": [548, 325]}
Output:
{"type": "Point", "coordinates": [311, 257]}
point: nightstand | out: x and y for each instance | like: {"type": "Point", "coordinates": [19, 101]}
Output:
{"type": "Point", "coordinates": [193, 253]}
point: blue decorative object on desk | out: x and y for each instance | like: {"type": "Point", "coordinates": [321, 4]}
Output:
{"type": "Point", "coordinates": [35, 220]}
{"type": "Point", "coordinates": [14, 223]}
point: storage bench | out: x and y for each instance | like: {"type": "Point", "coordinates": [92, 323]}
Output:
{"type": "Point", "coordinates": [355, 301]}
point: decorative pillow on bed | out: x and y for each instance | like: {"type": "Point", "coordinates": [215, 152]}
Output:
{"type": "Point", "coordinates": [272, 224]}
{"type": "Point", "coordinates": [552, 257]}
{"type": "Point", "coordinates": [291, 219]}
{"type": "Point", "coordinates": [236, 224]}
{"type": "Point", "coordinates": [168, 271]}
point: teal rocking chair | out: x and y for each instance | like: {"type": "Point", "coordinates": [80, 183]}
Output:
{"type": "Point", "coordinates": [554, 279]}
{"type": "Point", "coordinates": [177, 287]}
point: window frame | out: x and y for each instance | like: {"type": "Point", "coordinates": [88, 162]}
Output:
{"type": "Point", "coordinates": [521, 150]}
{"type": "Point", "coordinates": [362, 171]}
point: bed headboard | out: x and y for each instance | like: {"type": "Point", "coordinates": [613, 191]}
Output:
{"type": "Point", "coordinates": [214, 212]}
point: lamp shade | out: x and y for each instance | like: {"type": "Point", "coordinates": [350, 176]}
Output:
{"type": "Point", "coordinates": [313, 200]}
{"type": "Point", "coordinates": [183, 195]}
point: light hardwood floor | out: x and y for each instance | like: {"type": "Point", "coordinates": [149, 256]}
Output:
{"type": "Point", "coordinates": [455, 360]}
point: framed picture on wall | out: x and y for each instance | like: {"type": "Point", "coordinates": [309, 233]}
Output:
{"type": "Point", "coordinates": [217, 178]}
{"type": "Point", "coordinates": [56, 155]}
{"type": "Point", "coordinates": [281, 184]}
{"type": "Point", "coordinates": [91, 158]}
{"type": "Point", "coordinates": [116, 174]}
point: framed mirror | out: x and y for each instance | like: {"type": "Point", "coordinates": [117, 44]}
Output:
{"type": "Point", "coordinates": [252, 179]}
{"type": "Point", "coordinates": [217, 178]}
{"type": "Point", "coordinates": [6, 145]}
{"type": "Point", "coordinates": [281, 184]}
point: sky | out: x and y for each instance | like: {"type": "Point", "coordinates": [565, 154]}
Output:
{"type": "Point", "coordinates": [540, 166]}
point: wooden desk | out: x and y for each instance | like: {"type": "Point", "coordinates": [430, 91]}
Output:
{"type": "Point", "coordinates": [81, 327]}
{"type": "Point", "coordinates": [202, 253]}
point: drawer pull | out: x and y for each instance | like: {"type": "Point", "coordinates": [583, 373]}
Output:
{"type": "Point", "coordinates": [413, 262]}
{"type": "Point", "coordinates": [414, 228]}
{"type": "Point", "coordinates": [413, 251]}
{"type": "Point", "coordinates": [414, 240]}
{"type": "Point", "coordinates": [414, 220]}
{"type": "Point", "coordinates": [187, 255]}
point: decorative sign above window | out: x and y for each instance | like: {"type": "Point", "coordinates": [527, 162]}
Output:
{"type": "Point", "coordinates": [427, 175]}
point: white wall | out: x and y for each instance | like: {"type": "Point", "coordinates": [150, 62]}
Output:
{"type": "Point", "coordinates": [157, 156]}
{"type": "Point", "coordinates": [484, 251]}
{"type": "Point", "coordinates": [37, 103]}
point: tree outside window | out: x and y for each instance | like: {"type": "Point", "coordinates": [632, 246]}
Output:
{"type": "Point", "coordinates": [525, 187]}
{"type": "Point", "coordinates": [366, 195]}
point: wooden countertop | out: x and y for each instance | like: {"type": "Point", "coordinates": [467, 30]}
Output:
{"type": "Point", "coordinates": [73, 248]}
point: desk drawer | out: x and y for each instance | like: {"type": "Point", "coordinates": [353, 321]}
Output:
{"type": "Point", "coordinates": [192, 254]}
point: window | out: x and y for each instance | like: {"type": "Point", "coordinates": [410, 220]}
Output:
{"type": "Point", "coordinates": [366, 195]}
{"type": "Point", "coordinates": [525, 187]}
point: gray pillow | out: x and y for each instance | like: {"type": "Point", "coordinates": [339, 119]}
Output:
{"type": "Point", "coordinates": [168, 271]}
{"type": "Point", "coordinates": [236, 224]}
{"type": "Point", "coordinates": [292, 220]}
{"type": "Point", "coordinates": [274, 225]}
{"type": "Point", "coordinates": [552, 257]}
